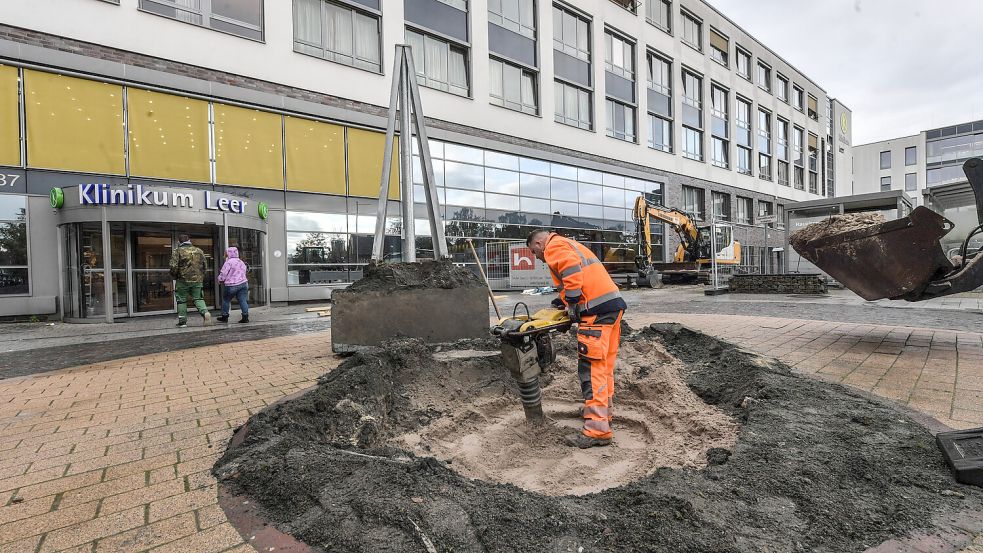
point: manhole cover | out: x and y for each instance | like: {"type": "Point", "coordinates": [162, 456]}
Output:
{"type": "Point", "coordinates": [963, 451]}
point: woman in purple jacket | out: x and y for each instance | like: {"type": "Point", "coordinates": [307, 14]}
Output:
{"type": "Point", "coordinates": [233, 276]}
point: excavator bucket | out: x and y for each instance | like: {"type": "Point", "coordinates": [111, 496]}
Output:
{"type": "Point", "coordinates": [888, 260]}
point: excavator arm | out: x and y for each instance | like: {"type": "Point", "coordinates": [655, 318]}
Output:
{"type": "Point", "coordinates": [903, 259]}
{"type": "Point", "coordinates": [645, 211]}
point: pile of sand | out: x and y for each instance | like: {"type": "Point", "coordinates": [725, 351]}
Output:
{"type": "Point", "coordinates": [422, 274]}
{"type": "Point", "coordinates": [659, 422]}
{"type": "Point", "coordinates": [836, 224]}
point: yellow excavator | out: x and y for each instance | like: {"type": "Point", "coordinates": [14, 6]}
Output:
{"type": "Point", "coordinates": [691, 262]}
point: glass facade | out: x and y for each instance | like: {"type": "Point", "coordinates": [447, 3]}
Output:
{"type": "Point", "coordinates": [14, 278]}
{"type": "Point", "coordinates": [948, 148]}
{"type": "Point", "coordinates": [486, 196]}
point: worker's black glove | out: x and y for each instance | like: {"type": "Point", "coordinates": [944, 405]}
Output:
{"type": "Point", "coordinates": [573, 311]}
{"type": "Point", "coordinates": [557, 303]}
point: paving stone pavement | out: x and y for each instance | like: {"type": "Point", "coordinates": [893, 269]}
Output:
{"type": "Point", "coordinates": [115, 455]}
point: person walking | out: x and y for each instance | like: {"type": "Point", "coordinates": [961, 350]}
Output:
{"type": "Point", "coordinates": [188, 269]}
{"type": "Point", "coordinates": [593, 301]}
{"type": "Point", "coordinates": [233, 276]}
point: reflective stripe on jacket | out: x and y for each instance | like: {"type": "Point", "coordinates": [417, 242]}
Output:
{"type": "Point", "coordinates": [580, 277]}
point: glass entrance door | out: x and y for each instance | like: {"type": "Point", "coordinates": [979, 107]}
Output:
{"type": "Point", "coordinates": [153, 288]}
{"type": "Point", "coordinates": [151, 247]}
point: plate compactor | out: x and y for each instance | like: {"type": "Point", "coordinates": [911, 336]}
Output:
{"type": "Point", "coordinates": [527, 348]}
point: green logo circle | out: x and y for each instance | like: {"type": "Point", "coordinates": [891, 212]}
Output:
{"type": "Point", "coordinates": [264, 210]}
{"type": "Point", "coordinates": [57, 198]}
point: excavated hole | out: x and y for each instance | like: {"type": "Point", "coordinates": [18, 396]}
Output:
{"type": "Point", "coordinates": [482, 433]}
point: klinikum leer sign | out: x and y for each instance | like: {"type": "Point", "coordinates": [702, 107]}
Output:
{"type": "Point", "coordinates": [140, 195]}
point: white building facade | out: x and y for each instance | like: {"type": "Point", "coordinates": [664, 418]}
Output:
{"type": "Point", "coordinates": [543, 114]}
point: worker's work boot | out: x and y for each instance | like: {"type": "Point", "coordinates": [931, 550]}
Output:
{"type": "Point", "coordinates": [584, 442]}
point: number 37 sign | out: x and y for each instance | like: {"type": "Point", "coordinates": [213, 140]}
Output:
{"type": "Point", "coordinates": [525, 270]}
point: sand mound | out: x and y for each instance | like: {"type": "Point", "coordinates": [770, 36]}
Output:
{"type": "Point", "coordinates": [837, 224]}
{"type": "Point", "coordinates": [659, 422]}
{"type": "Point", "coordinates": [816, 467]}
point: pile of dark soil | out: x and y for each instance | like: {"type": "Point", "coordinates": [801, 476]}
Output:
{"type": "Point", "coordinates": [837, 224]}
{"type": "Point", "coordinates": [422, 274]}
{"type": "Point", "coordinates": [816, 468]}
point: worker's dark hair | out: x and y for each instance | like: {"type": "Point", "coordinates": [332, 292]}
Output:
{"type": "Point", "coordinates": [182, 238]}
{"type": "Point", "coordinates": [534, 234]}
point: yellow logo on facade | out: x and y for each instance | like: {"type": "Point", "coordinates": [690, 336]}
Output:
{"type": "Point", "coordinates": [844, 123]}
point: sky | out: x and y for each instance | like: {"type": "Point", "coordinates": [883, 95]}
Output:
{"type": "Point", "coordinates": [901, 66]}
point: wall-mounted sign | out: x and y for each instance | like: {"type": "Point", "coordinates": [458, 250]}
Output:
{"type": "Point", "coordinates": [57, 198]}
{"type": "Point", "coordinates": [525, 270]}
{"type": "Point", "coordinates": [139, 195]}
{"type": "Point", "coordinates": [263, 210]}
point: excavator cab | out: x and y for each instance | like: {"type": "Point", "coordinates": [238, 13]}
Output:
{"type": "Point", "coordinates": [903, 259]}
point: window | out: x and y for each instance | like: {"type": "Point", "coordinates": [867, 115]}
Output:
{"type": "Point", "coordinates": [720, 145]}
{"type": "Point", "coordinates": [885, 183]}
{"type": "Point", "coordinates": [719, 47]}
{"type": "Point", "coordinates": [910, 156]}
{"type": "Point", "coordinates": [443, 65]}
{"type": "Point", "coordinates": [764, 144]}
{"type": "Point", "coordinates": [797, 97]}
{"type": "Point", "coordinates": [238, 17]}
{"type": "Point", "coordinates": [571, 34]}
{"type": "Point", "coordinates": [743, 122]}
{"type": "Point", "coordinates": [692, 116]}
{"type": "Point", "coordinates": [693, 200]}
{"type": "Point", "coordinates": [619, 61]}
{"type": "Point", "coordinates": [813, 108]}
{"type": "Point", "coordinates": [764, 208]}
{"type": "Point", "coordinates": [571, 37]}
{"type": "Point", "coordinates": [886, 160]}
{"type": "Point", "coordinates": [619, 56]}
{"type": "Point", "coordinates": [152, 119]}
{"type": "Point", "coordinates": [783, 173]}
{"type": "Point", "coordinates": [781, 139]}
{"type": "Point", "coordinates": [780, 219]}
{"type": "Point", "coordinates": [237, 160]}
{"type": "Point", "coordinates": [659, 13]}
{"type": "Point", "coordinates": [518, 16]}
{"type": "Point", "coordinates": [573, 106]}
{"type": "Point", "coordinates": [743, 63]}
{"type": "Point", "coordinates": [620, 120]}
{"type": "Point", "coordinates": [338, 33]}
{"type": "Point", "coordinates": [660, 102]}
{"type": "Point", "coordinates": [459, 4]}
{"type": "Point", "coordinates": [629, 5]}
{"type": "Point", "coordinates": [797, 145]}
{"type": "Point", "coordinates": [764, 76]}
{"type": "Point", "coordinates": [13, 245]}
{"type": "Point", "coordinates": [781, 89]}
{"type": "Point", "coordinates": [911, 182]}
{"type": "Point", "coordinates": [721, 206]}
{"type": "Point", "coordinates": [66, 137]}
{"type": "Point", "coordinates": [799, 172]}
{"type": "Point", "coordinates": [692, 31]}
{"type": "Point", "coordinates": [513, 87]}
{"type": "Point", "coordinates": [744, 211]}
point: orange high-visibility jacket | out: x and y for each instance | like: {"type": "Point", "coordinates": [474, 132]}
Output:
{"type": "Point", "coordinates": [579, 276]}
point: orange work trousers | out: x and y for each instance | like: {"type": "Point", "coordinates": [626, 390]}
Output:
{"type": "Point", "coordinates": [598, 337]}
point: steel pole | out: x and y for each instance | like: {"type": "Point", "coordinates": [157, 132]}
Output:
{"type": "Point", "coordinates": [406, 163]}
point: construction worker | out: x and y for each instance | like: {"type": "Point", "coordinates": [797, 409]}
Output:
{"type": "Point", "coordinates": [593, 301]}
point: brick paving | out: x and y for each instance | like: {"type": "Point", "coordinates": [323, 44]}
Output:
{"type": "Point", "coordinates": [115, 455]}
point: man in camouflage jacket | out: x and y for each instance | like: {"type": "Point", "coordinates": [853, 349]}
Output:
{"type": "Point", "coordinates": [188, 269]}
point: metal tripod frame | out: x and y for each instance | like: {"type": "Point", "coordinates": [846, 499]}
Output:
{"type": "Point", "coordinates": [404, 98]}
